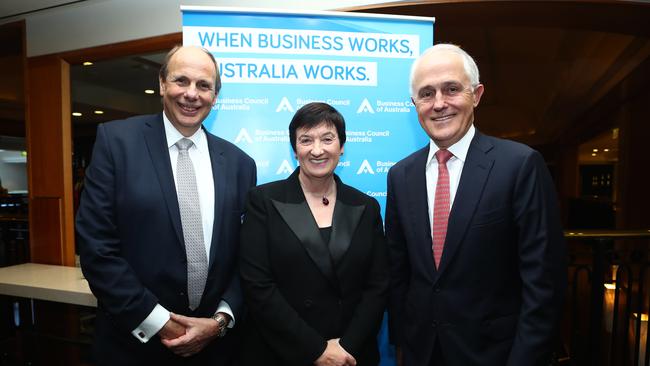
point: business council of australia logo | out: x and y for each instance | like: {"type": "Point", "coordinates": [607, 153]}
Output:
{"type": "Point", "coordinates": [384, 106]}
{"type": "Point", "coordinates": [284, 106]}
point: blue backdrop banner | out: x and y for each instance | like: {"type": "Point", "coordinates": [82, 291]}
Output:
{"type": "Point", "coordinates": [272, 63]}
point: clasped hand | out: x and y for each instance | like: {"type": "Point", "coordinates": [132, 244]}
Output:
{"type": "Point", "coordinates": [335, 355]}
{"type": "Point", "coordinates": [187, 336]}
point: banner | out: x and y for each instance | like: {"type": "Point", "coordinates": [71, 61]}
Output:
{"type": "Point", "coordinates": [272, 63]}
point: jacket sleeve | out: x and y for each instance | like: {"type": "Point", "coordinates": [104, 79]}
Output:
{"type": "Point", "coordinates": [233, 294]}
{"type": "Point", "coordinates": [111, 278]}
{"type": "Point", "coordinates": [399, 263]}
{"type": "Point", "coordinates": [542, 263]}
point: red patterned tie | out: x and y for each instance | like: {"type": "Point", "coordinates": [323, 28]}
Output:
{"type": "Point", "coordinates": [441, 205]}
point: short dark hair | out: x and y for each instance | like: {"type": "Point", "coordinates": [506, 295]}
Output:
{"type": "Point", "coordinates": [165, 66]}
{"type": "Point", "coordinates": [312, 115]}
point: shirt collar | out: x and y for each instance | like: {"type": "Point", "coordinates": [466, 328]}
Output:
{"type": "Point", "coordinates": [459, 149]}
{"type": "Point", "coordinates": [171, 133]}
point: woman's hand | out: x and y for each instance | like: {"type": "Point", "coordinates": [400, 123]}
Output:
{"type": "Point", "coordinates": [335, 355]}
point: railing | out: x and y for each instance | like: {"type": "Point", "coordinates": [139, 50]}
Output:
{"type": "Point", "coordinates": [608, 300]}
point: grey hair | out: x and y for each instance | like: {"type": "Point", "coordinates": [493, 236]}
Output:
{"type": "Point", "coordinates": [471, 70]}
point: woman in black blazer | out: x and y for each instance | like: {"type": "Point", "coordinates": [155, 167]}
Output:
{"type": "Point", "coordinates": [313, 258]}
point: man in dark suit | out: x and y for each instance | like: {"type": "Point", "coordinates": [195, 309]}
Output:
{"type": "Point", "coordinates": [162, 299]}
{"type": "Point", "coordinates": [478, 267]}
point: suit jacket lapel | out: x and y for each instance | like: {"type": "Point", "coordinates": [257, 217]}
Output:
{"type": "Point", "coordinates": [297, 215]}
{"type": "Point", "coordinates": [470, 189]}
{"type": "Point", "coordinates": [218, 167]}
{"type": "Point", "coordinates": [154, 137]}
{"type": "Point", "coordinates": [418, 202]}
{"type": "Point", "coordinates": [344, 223]}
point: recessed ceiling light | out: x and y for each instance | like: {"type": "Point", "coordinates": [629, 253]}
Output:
{"type": "Point", "coordinates": [149, 91]}
{"type": "Point", "coordinates": [87, 63]}
{"type": "Point", "coordinates": [606, 150]}
{"type": "Point", "coordinates": [595, 150]}
{"type": "Point", "coordinates": [593, 154]}
{"type": "Point", "coordinates": [99, 112]}
{"type": "Point", "coordinates": [77, 114]}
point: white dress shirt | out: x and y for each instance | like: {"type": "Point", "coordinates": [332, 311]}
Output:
{"type": "Point", "coordinates": [200, 155]}
{"type": "Point", "coordinates": [454, 167]}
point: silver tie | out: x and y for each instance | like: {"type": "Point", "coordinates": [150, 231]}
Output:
{"type": "Point", "coordinates": [188, 203]}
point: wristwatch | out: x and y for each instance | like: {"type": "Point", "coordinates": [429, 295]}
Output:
{"type": "Point", "coordinates": [222, 323]}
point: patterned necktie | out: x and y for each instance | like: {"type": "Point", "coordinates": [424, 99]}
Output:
{"type": "Point", "coordinates": [188, 203]}
{"type": "Point", "coordinates": [441, 205]}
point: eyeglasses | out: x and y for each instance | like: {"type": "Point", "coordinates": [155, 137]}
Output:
{"type": "Point", "coordinates": [427, 95]}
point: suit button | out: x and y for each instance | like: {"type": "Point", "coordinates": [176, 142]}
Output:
{"type": "Point", "coordinates": [308, 303]}
{"type": "Point", "coordinates": [434, 324]}
{"type": "Point", "coordinates": [436, 289]}
{"type": "Point", "coordinates": [340, 302]}
{"type": "Point", "coordinates": [181, 293]}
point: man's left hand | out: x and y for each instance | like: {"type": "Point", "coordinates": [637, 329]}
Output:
{"type": "Point", "coordinates": [198, 333]}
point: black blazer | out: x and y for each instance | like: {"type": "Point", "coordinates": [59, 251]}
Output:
{"type": "Point", "coordinates": [302, 291]}
{"type": "Point", "coordinates": [131, 240]}
{"type": "Point", "coordinates": [497, 296]}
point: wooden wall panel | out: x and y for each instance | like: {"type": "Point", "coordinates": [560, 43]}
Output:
{"type": "Point", "coordinates": [46, 234]}
{"type": "Point", "coordinates": [121, 49]}
{"type": "Point", "coordinates": [50, 160]}
{"type": "Point", "coordinates": [633, 176]}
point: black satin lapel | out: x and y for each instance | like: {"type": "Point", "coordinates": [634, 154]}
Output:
{"type": "Point", "coordinates": [300, 220]}
{"type": "Point", "coordinates": [154, 137]}
{"type": "Point", "coordinates": [344, 223]}
{"type": "Point", "coordinates": [418, 202]}
{"type": "Point", "coordinates": [470, 189]}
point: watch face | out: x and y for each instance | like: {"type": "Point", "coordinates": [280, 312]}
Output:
{"type": "Point", "coordinates": [221, 323]}
{"type": "Point", "coordinates": [222, 332]}
{"type": "Point", "coordinates": [221, 320]}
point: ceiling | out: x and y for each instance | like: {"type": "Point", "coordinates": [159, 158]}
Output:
{"type": "Point", "coordinates": [16, 8]}
{"type": "Point", "coordinates": [116, 87]}
{"type": "Point", "coordinates": [554, 71]}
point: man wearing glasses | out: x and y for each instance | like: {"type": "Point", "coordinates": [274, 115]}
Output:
{"type": "Point", "coordinates": [478, 265]}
